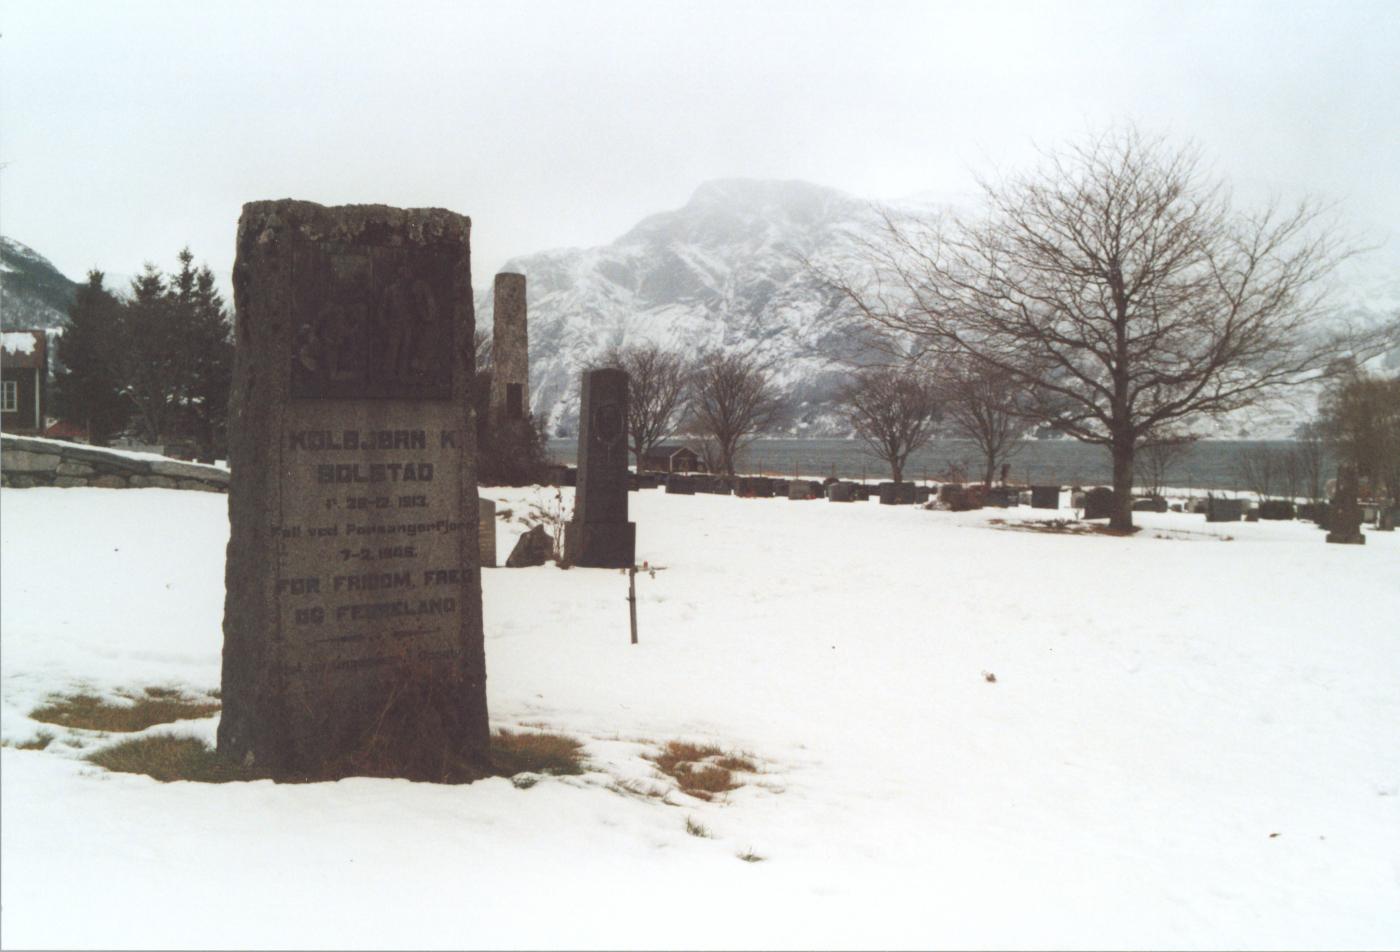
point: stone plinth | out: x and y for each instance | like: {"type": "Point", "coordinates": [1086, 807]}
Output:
{"type": "Point", "coordinates": [599, 536]}
{"type": "Point", "coordinates": [1045, 497]}
{"type": "Point", "coordinates": [352, 620]}
{"type": "Point", "coordinates": [1098, 503]}
{"type": "Point", "coordinates": [510, 350]}
{"type": "Point", "coordinates": [1223, 509]}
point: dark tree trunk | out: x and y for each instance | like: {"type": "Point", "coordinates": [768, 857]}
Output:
{"type": "Point", "coordinates": [1122, 518]}
{"type": "Point", "coordinates": [897, 471]}
{"type": "Point", "coordinates": [990, 472]}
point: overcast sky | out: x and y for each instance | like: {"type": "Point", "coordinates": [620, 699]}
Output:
{"type": "Point", "coordinates": [129, 129]}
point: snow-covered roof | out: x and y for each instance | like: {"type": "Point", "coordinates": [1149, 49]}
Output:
{"type": "Point", "coordinates": [19, 342]}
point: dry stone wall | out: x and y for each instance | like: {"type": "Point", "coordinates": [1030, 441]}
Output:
{"type": "Point", "coordinates": [26, 463]}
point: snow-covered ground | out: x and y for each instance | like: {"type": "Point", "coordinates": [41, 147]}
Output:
{"type": "Point", "coordinates": [1191, 741]}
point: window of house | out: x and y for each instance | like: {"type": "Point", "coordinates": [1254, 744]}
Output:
{"type": "Point", "coordinates": [9, 396]}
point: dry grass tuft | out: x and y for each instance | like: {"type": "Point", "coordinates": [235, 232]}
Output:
{"type": "Point", "coordinates": [701, 770]}
{"type": "Point", "coordinates": [170, 758]}
{"type": "Point", "coordinates": [695, 828]}
{"type": "Point", "coordinates": [556, 754]}
{"type": "Point", "coordinates": [89, 712]}
{"type": "Point", "coordinates": [41, 740]}
{"type": "Point", "coordinates": [749, 856]}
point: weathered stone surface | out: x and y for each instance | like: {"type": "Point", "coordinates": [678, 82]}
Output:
{"type": "Point", "coordinates": [74, 469]}
{"type": "Point", "coordinates": [1150, 504]}
{"type": "Point", "coordinates": [677, 485]}
{"type": "Point", "coordinates": [896, 494]}
{"type": "Point", "coordinates": [1045, 497]}
{"type": "Point", "coordinates": [352, 623]}
{"type": "Point", "coordinates": [150, 482]}
{"type": "Point", "coordinates": [510, 350]}
{"type": "Point", "coordinates": [1276, 509]}
{"type": "Point", "coordinates": [1098, 503]}
{"type": "Point", "coordinates": [599, 535]}
{"type": "Point", "coordinates": [840, 492]}
{"type": "Point", "coordinates": [800, 489]}
{"type": "Point", "coordinates": [18, 480]}
{"type": "Point", "coordinates": [535, 547]}
{"type": "Point", "coordinates": [1344, 513]}
{"type": "Point", "coordinates": [1000, 497]}
{"type": "Point", "coordinates": [1223, 509]}
{"type": "Point", "coordinates": [108, 482]}
{"type": "Point", "coordinates": [486, 532]}
{"type": "Point", "coordinates": [70, 482]}
{"type": "Point", "coordinates": [23, 461]}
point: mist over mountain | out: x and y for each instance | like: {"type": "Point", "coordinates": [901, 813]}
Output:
{"type": "Point", "coordinates": [727, 271]}
{"type": "Point", "coordinates": [33, 293]}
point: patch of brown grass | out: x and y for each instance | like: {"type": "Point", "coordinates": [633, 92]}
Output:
{"type": "Point", "coordinates": [513, 753]}
{"type": "Point", "coordinates": [90, 712]}
{"type": "Point", "coordinates": [171, 758]}
{"type": "Point", "coordinates": [701, 770]}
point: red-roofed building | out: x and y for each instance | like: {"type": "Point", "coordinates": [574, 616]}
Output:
{"type": "Point", "coordinates": [24, 381]}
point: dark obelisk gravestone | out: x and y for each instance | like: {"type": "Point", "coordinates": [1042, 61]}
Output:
{"type": "Point", "coordinates": [352, 621]}
{"type": "Point", "coordinates": [599, 536]}
{"type": "Point", "coordinates": [1345, 514]}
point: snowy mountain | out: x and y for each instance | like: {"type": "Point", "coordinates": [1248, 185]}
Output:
{"type": "Point", "coordinates": [726, 271]}
{"type": "Point", "coordinates": [33, 293]}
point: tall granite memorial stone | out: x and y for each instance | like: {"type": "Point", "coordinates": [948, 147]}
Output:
{"type": "Point", "coordinates": [352, 619]}
{"type": "Point", "coordinates": [599, 535]}
{"type": "Point", "coordinates": [510, 350]}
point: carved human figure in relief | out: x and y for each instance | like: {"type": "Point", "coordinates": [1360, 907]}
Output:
{"type": "Point", "coordinates": [407, 309]}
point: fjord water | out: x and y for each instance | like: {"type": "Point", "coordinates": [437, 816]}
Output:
{"type": "Point", "coordinates": [1207, 465]}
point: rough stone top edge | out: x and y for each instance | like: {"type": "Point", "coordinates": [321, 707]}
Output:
{"type": "Point", "coordinates": [348, 222]}
{"type": "Point", "coordinates": [507, 277]}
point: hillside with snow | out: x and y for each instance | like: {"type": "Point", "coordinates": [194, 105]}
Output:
{"type": "Point", "coordinates": [33, 293]}
{"type": "Point", "coordinates": [726, 271]}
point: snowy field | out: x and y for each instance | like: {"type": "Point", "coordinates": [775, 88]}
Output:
{"type": "Point", "coordinates": [1192, 740]}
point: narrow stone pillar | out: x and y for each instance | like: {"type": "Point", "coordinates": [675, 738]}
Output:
{"type": "Point", "coordinates": [510, 350]}
{"type": "Point", "coordinates": [352, 618]}
{"type": "Point", "coordinates": [599, 535]}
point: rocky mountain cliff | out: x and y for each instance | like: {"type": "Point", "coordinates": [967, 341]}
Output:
{"type": "Point", "coordinates": [727, 271]}
{"type": "Point", "coordinates": [33, 293]}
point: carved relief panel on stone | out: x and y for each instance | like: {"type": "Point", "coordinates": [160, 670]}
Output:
{"type": "Point", "coordinates": [369, 327]}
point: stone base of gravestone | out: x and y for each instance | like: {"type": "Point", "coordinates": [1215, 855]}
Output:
{"type": "Point", "coordinates": [1045, 497]}
{"type": "Point", "coordinates": [800, 489]}
{"type": "Point", "coordinates": [677, 485]}
{"type": "Point", "coordinates": [1150, 504]}
{"type": "Point", "coordinates": [840, 492]}
{"type": "Point", "coordinates": [1221, 509]}
{"type": "Point", "coordinates": [1386, 519]}
{"type": "Point", "coordinates": [600, 545]}
{"type": "Point", "coordinates": [780, 488]}
{"type": "Point", "coordinates": [1276, 509]}
{"type": "Point", "coordinates": [486, 532]}
{"type": "Point", "coordinates": [860, 492]}
{"type": "Point", "coordinates": [646, 481]}
{"type": "Point", "coordinates": [999, 497]}
{"type": "Point", "coordinates": [1098, 503]}
{"type": "Point", "coordinates": [896, 494]}
{"type": "Point", "coordinates": [922, 494]}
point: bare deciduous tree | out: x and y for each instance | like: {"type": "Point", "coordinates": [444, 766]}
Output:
{"type": "Point", "coordinates": [1160, 454]}
{"type": "Point", "coordinates": [1120, 288]}
{"type": "Point", "coordinates": [1259, 469]}
{"type": "Point", "coordinates": [893, 410]}
{"type": "Point", "coordinates": [981, 403]}
{"type": "Point", "coordinates": [1361, 419]}
{"type": "Point", "coordinates": [1308, 462]}
{"type": "Point", "coordinates": [656, 389]}
{"type": "Point", "coordinates": [733, 399]}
